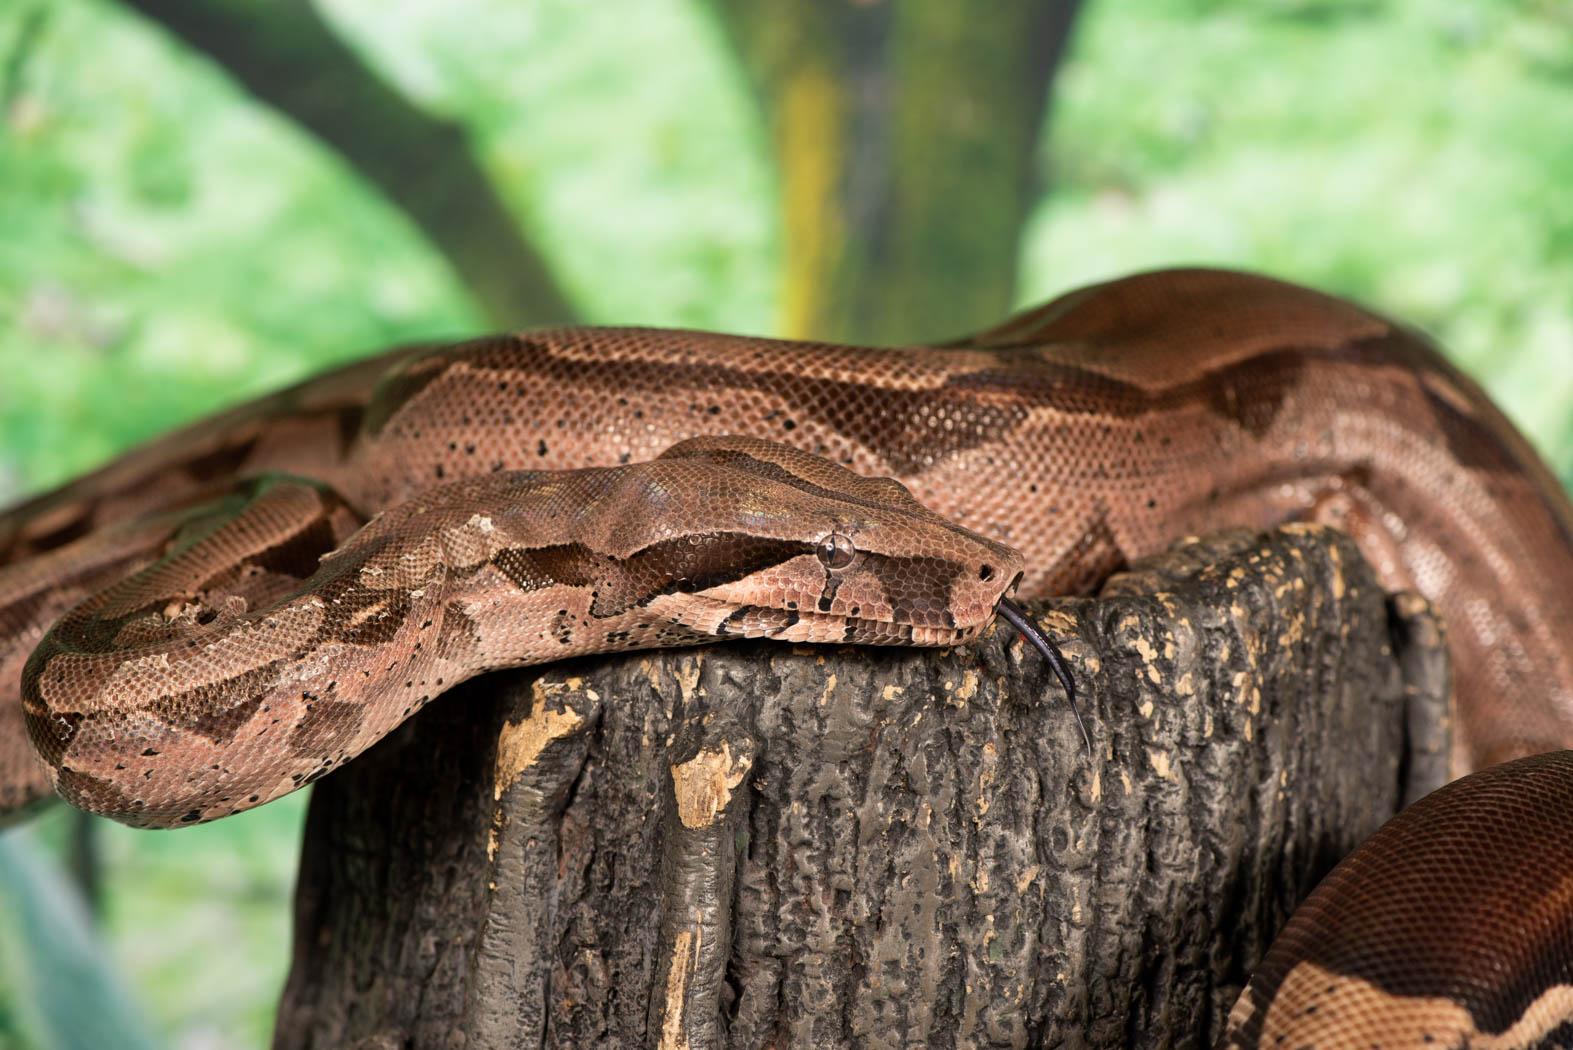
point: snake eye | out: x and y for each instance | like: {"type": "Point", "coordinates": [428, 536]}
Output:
{"type": "Point", "coordinates": [836, 551]}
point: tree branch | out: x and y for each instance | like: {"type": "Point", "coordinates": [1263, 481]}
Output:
{"type": "Point", "coordinates": [906, 140]}
{"type": "Point", "coordinates": [286, 56]}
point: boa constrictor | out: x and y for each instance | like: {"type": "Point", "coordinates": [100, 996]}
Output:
{"type": "Point", "coordinates": [211, 662]}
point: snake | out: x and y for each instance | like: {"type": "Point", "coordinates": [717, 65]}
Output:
{"type": "Point", "coordinates": [240, 608]}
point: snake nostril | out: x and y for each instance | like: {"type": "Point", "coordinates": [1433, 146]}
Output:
{"type": "Point", "coordinates": [986, 573]}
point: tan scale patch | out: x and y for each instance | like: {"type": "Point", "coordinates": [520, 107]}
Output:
{"type": "Point", "coordinates": [251, 645]}
{"type": "Point", "coordinates": [1315, 1007]}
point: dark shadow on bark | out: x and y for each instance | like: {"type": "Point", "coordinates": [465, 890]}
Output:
{"type": "Point", "coordinates": [287, 57]}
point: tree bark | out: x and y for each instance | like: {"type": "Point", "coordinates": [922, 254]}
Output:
{"type": "Point", "coordinates": [906, 141]}
{"type": "Point", "coordinates": [287, 57]}
{"type": "Point", "coordinates": [763, 846]}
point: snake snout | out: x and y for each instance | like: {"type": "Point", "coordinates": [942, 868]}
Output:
{"type": "Point", "coordinates": [989, 573]}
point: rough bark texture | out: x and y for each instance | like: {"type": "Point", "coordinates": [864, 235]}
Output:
{"type": "Point", "coordinates": [287, 57]}
{"type": "Point", "coordinates": [906, 144]}
{"type": "Point", "coordinates": [761, 846]}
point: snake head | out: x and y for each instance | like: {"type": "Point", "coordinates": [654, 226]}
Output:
{"type": "Point", "coordinates": [748, 538]}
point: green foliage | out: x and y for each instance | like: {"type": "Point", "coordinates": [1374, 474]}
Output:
{"type": "Point", "coordinates": [620, 131]}
{"type": "Point", "coordinates": [1412, 155]}
{"type": "Point", "coordinates": [196, 921]}
{"type": "Point", "coordinates": [170, 246]}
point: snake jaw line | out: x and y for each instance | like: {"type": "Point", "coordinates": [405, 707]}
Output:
{"type": "Point", "coordinates": [1017, 617]}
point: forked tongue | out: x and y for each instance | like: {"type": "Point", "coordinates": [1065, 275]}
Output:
{"type": "Point", "coordinates": [1014, 615]}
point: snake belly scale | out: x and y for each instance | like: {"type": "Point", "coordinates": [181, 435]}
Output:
{"type": "Point", "coordinates": [262, 596]}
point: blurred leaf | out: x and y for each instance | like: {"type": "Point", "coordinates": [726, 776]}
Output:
{"type": "Point", "coordinates": [1409, 158]}
{"type": "Point", "coordinates": [61, 988]}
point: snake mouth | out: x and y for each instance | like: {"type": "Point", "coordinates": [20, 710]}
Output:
{"type": "Point", "coordinates": [729, 620]}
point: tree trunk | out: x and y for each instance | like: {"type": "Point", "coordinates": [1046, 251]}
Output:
{"type": "Point", "coordinates": [906, 139]}
{"type": "Point", "coordinates": [287, 57]}
{"type": "Point", "coordinates": [756, 845]}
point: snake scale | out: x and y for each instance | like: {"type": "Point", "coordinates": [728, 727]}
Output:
{"type": "Point", "coordinates": [231, 612]}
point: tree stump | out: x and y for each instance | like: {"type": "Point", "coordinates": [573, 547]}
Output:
{"type": "Point", "coordinates": [758, 845]}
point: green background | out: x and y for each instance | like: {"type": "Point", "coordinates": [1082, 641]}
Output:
{"type": "Point", "coordinates": [169, 246]}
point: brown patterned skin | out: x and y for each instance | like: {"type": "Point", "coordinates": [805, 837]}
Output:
{"type": "Point", "coordinates": [305, 429]}
{"type": "Point", "coordinates": [1085, 433]}
{"type": "Point", "coordinates": [37, 591]}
